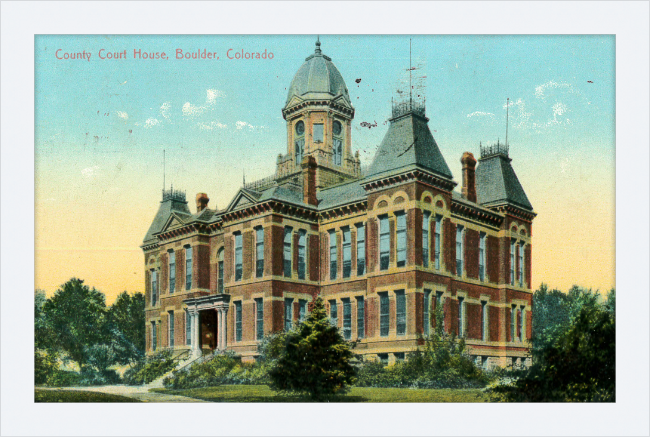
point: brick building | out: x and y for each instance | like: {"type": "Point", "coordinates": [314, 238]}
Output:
{"type": "Point", "coordinates": [384, 247]}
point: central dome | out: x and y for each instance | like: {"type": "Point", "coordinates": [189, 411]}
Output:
{"type": "Point", "coordinates": [318, 78]}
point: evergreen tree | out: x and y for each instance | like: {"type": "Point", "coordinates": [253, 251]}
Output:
{"type": "Point", "coordinates": [315, 359]}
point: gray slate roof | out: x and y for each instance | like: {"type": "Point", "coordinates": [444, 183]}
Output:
{"type": "Point", "coordinates": [167, 207]}
{"type": "Point", "coordinates": [496, 182]}
{"type": "Point", "coordinates": [408, 144]}
{"type": "Point", "coordinates": [340, 195]}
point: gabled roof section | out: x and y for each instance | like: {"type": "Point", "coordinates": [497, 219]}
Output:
{"type": "Point", "coordinates": [497, 183]}
{"type": "Point", "coordinates": [243, 198]}
{"type": "Point", "coordinates": [341, 195]}
{"type": "Point", "coordinates": [173, 203]}
{"type": "Point", "coordinates": [408, 144]}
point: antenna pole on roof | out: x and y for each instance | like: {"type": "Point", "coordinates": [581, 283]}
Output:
{"type": "Point", "coordinates": [410, 78]}
{"type": "Point", "coordinates": [507, 107]}
{"type": "Point", "coordinates": [163, 169]}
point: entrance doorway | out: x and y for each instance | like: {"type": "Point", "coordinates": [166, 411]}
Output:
{"type": "Point", "coordinates": [209, 329]}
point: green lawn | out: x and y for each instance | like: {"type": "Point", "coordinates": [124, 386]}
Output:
{"type": "Point", "coordinates": [262, 393]}
{"type": "Point", "coordinates": [77, 396]}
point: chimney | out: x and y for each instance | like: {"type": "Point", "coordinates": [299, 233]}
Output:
{"type": "Point", "coordinates": [202, 200]}
{"type": "Point", "coordinates": [469, 176]}
{"type": "Point", "coordinates": [309, 180]}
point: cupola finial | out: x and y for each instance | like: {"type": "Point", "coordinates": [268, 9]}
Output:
{"type": "Point", "coordinates": [317, 51]}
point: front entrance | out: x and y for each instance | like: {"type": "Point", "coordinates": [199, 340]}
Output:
{"type": "Point", "coordinates": [209, 330]}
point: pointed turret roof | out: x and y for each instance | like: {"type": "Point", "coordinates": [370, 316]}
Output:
{"type": "Point", "coordinates": [408, 144]}
{"type": "Point", "coordinates": [173, 202]}
{"type": "Point", "coordinates": [497, 182]}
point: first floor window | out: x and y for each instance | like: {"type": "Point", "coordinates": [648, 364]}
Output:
{"type": "Point", "coordinates": [461, 317]}
{"type": "Point", "coordinates": [238, 320]}
{"type": "Point", "coordinates": [481, 257]}
{"type": "Point", "coordinates": [384, 243]}
{"type": "Point", "coordinates": [426, 315]}
{"type": "Point", "coordinates": [347, 319]}
{"type": "Point", "coordinates": [440, 309]}
{"type": "Point", "coordinates": [384, 314]}
{"type": "Point", "coordinates": [154, 336]}
{"type": "Point", "coordinates": [288, 313]}
{"type": "Point", "coordinates": [484, 321]}
{"type": "Point", "coordinates": [401, 238]}
{"type": "Point", "coordinates": [383, 359]}
{"type": "Point", "coordinates": [171, 329]}
{"type": "Point", "coordinates": [400, 306]}
{"type": "Point", "coordinates": [188, 327]}
{"type": "Point", "coordinates": [513, 323]}
{"type": "Point", "coordinates": [302, 310]}
{"type": "Point", "coordinates": [399, 356]}
{"type": "Point", "coordinates": [522, 330]}
{"type": "Point", "coordinates": [259, 322]}
{"type": "Point", "coordinates": [334, 315]}
{"type": "Point", "coordinates": [361, 317]}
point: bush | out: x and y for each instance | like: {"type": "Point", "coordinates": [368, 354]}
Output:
{"type": "Point", "coordinates": [45, 364]}
{"type": "Point", "coordinates": [151, 368]}
{"type": "Point", "coordinates": [64, 378]}
{"type": "Point", "coordinates": [222, 369]}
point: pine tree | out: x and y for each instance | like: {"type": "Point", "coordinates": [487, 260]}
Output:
{"type": "Point", "coordinates": [315, 359]}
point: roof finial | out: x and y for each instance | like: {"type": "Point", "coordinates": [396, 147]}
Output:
{"type": "Point", "coordinates": [244, 173]}
{"type": "Point", "coordinates": [317, 51]}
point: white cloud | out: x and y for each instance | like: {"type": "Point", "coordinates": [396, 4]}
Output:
{"type": "Point", "coordinates": [190, 110]}
{"type": "Point", "coordinates": [211, 126]}
{"type": "Point", "coordinates": [151, 122]}
{"type": "Point", "coordinates": [164, 109]}
{"type": "Point", "coordinates": [242, 124]}
{"type": "Point", "coordinates": [518, 115]}
{"type": "Point", "coordinates": [480, 114]}
{"type": "Point", "coordinates": [559, 109]}
{"type": "Point", "coordinates": [213, 95]}
{"type": "Point", "coordinates": [90, 171]}
{"type": "Point", "coordinates": [551, 84]}
{"type": "Point", "coordinates": [123, 115]}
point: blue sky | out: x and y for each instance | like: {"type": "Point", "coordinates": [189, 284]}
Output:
{"type": "Point", "coordinates": [101, 125]}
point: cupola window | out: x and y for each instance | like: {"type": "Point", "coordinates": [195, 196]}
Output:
{"type": "Point", "coordinates": [318, 133]}
{"type": "Point", "coordinates": [299, 143]}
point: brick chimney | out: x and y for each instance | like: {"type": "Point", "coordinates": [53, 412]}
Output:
{"type": "Point", "coordinates": [469, 176]}
{"type": "Point", "coordinates": [202, 200]}
{"type": "Point", "coordinates": [309, 180]}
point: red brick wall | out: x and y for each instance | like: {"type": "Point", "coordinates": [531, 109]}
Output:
{"type": "Point", "coordinates": [372, 315]}
{"type": "Point", "coordinates": [413, 237]}
{"type": "Point", "coordinates": [228, 259]}
{"type": "Point", "coordinates": [324, 256]}
{"type": "Point", "coordinates": [372, 244]}
{"type": "Point", "coordinates": [353, 245]}
{"type": "Point", "coordinates": [201, 267]}
{"type": "Point", "coordinates": [473, 320]}
{"type": "Point", "coordinates": [494, 322]}
{"type": "Point", "coordinates": [314, 258]}
{"type": "Point", "coordinates": [508, 325]}
{"type": "Point", "coordinates": [147, 287]}
{"type": "Point", "coordinates": [164, 273]}
{"type": "Point", "coordinates": [528, 266]}
{"type": "Point", "coordinates": [529, 325]}
{"type": "Point", "coordinates": [493, 258]}
{"type": "Point", "coordinates": [180, 270]}
{"type": "Point", "coordinates": [278, 315]}
{"type": "Point", "coordinates": [471, 253]}
{"type": "Point", "coordinates": [277, 243]}
{"type": "Point", "coordinates": [247, 254]}
{"type": "Point", "coordinates": [449, 250]}
{"type": "Point", "coordinates": [453, 316]}
{"type": "Point", "coordinates": [504, 260]}
{"type": "Point", "coordinates": [418, 308]}
{"type": "Point", "coordinates": [268, 251]}
{"type": "Point", "coordinates": [294, 251]}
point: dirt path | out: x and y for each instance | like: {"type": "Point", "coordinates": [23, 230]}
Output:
{"type": "Point", "coordinates": [141, 393]}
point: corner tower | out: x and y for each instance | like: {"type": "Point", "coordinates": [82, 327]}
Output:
{"type": "Point", "coordinates": [319, 114]}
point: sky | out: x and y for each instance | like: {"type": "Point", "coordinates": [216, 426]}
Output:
{"type": "Point", "coordinates": [102, 126]}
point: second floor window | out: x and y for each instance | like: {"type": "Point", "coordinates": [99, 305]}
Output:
{"type": "Point", "coordinates": [513, 246]}
{"type": "Point", "coordinates": [288, 232]}
{"type": "Point", "coordinates": [437, 237]}
{"type": "Point", "coordinates": [361, 317]}
{"type": "Point", "coordinates": [238, 256]}
{"type": "Point", "coordinates": [401, 239]}
{"type": "Point", "coordinates": [347, 319]}
{"type": "Point", "coordinates": [238, 320]}
{"type": "Point", "coordinates": [384, 243]}
{"type": "Point", "coordinates": [259, 252]}
{"type": "Point", "coordinates": [259, 319]}
{"type": "Point", "coordinates": [188, 268]}
{"type": "Point", "coordinates": [333, 266]}
{"type": "Point", "coordinates": [481, 257]}
{"type": "Point", "coordinates": [172, 271]}
{"type": "Point", "coordinates": [425, 238]}
{"type": "Point", "coordinates": [400, 312]}
{"type": "Point", "coordinates": [521, 264]}
{"type": "Point", "coordinates": [459, 250]}
{"type": "Point", "coordinates": [220, 271]}
{"type": "Point", "coordinates": [361, 250]}
{"type": "Point", "coordinates": [154, 287]}
{"type": "Point", "coordinates": [384, 314]}
{"type": "Point", "coordinates": [347, 253]}
{"type": "Point", "coordinates": [302, 254]}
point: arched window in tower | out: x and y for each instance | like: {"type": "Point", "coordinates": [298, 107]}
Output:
{"type": "Point", "coordinates": [299, 144]}
{"type": "Point", "coordinates": [337, 142]}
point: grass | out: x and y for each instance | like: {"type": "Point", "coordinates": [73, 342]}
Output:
{"type": "Point", "coordinates": [262, 393]}
{"type": "Point", "coordinates": [77, 396]}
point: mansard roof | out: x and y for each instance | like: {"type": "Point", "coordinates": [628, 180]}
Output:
{"type": "Point", "coordinates": [497, 183]}
{"type": "Point", "coordinates": [340, 195]}
{"type": "Point", "coordinates": [172, 203]}
{"type": "Point", "coordinates": [408, 144]}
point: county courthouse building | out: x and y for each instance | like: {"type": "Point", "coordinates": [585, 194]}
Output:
{"type": "Point", "coordinates": [383, 248]}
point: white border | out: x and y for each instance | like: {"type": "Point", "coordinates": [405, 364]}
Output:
{"type": "Point", "coordinates": [21, 20]}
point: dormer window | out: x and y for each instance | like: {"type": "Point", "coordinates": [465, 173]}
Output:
{"type": "Point", "coordinates": [318, 133]}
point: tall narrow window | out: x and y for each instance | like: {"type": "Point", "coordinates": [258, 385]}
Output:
{"type": "Point", "coordinates": [220, 271]}
{"type": "Point", "coordinates": [259, 252]}
{"type": "Point", "coordinates": [288, 232]}
{"type": "Point", "coordinates": [384, 243]}
{"type": "Point", "coordinates": [171, 328]}
{"type": "Point", "coordinates": [513, 323]}
{"type": "Point", "coordinates": [347, 318]}
{"type": "Point", "coordinates": [347, 253]}
{"type": "Point", "coordinates": [400, 313]}
{"type": "Point", "coordinates": [302, 314]}
{"type": "Point", "coordinates": [384, 314]}
{"type": "Point", "coordinates": [484, 321]}
{"type": "Point", "coordinates": [154, 336]}
{"type": "Point", "coordinates": [461, 317]}
{"type": "Point", "coordinates": [425, 238]}
{"type": "Point", "coordinates": [188, 267]}
{"type": "Point", "coordinates": [238, 256]}
{"type": "Point", "coordinates": [438, 232]}
{"type": "Point", "coordinates": [401, 239]}
{"type": "Point", "coordinates": [318, 133]}
{"type": "Point", "coordinates": [522, 332]}
{"type": "Point", "coordinates": [426, 315]}
{"type": "Point", "coordinates": [361, 250]}
{"type": "Point", "coordinates": [459, 250]}
{"type": "Point", "coordinates": [334, 314]}
{"type": "Point", "coordinates": [238, 320]}
{"type": "Point", "coordinates": [172, 271]}
{"type": "Point", "coordinates": [440, 309]}
{"type": "Point", "coordinates": [361, 317]}
{"type": "Point", "coordinates": [333, 267]}
{"type": "Point", "coordinates": [481, 257]}
{"type": "Point", "coordinates": [337, 146]}
{"type": "Point", "coordinates": [302, 254]}
{"type": "Point", "coordinates": [521, 264]}
{"type": "Point", "coordinates": [188, 327]}
{"type": "Point", "coordinates": [300, 150]}
{"type": "Point", "coordinates": [259, 320]}
{"type": "Point", "coordinates": [154, 287]}
{"type": "Point", "coordinates": [512, 261]}
{"type": "Point", "coordinates": [288, 313]}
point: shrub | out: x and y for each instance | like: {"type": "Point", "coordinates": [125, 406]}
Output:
{"type": "Point", "coordinates": [151, 368]}
{"type": "Point", "coordinates": [45, 364]}
{"type": "Point", "coordinates": [64, 378]}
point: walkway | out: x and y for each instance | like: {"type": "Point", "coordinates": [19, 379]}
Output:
{"type": "Point", "coordinates": [141, 393]}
